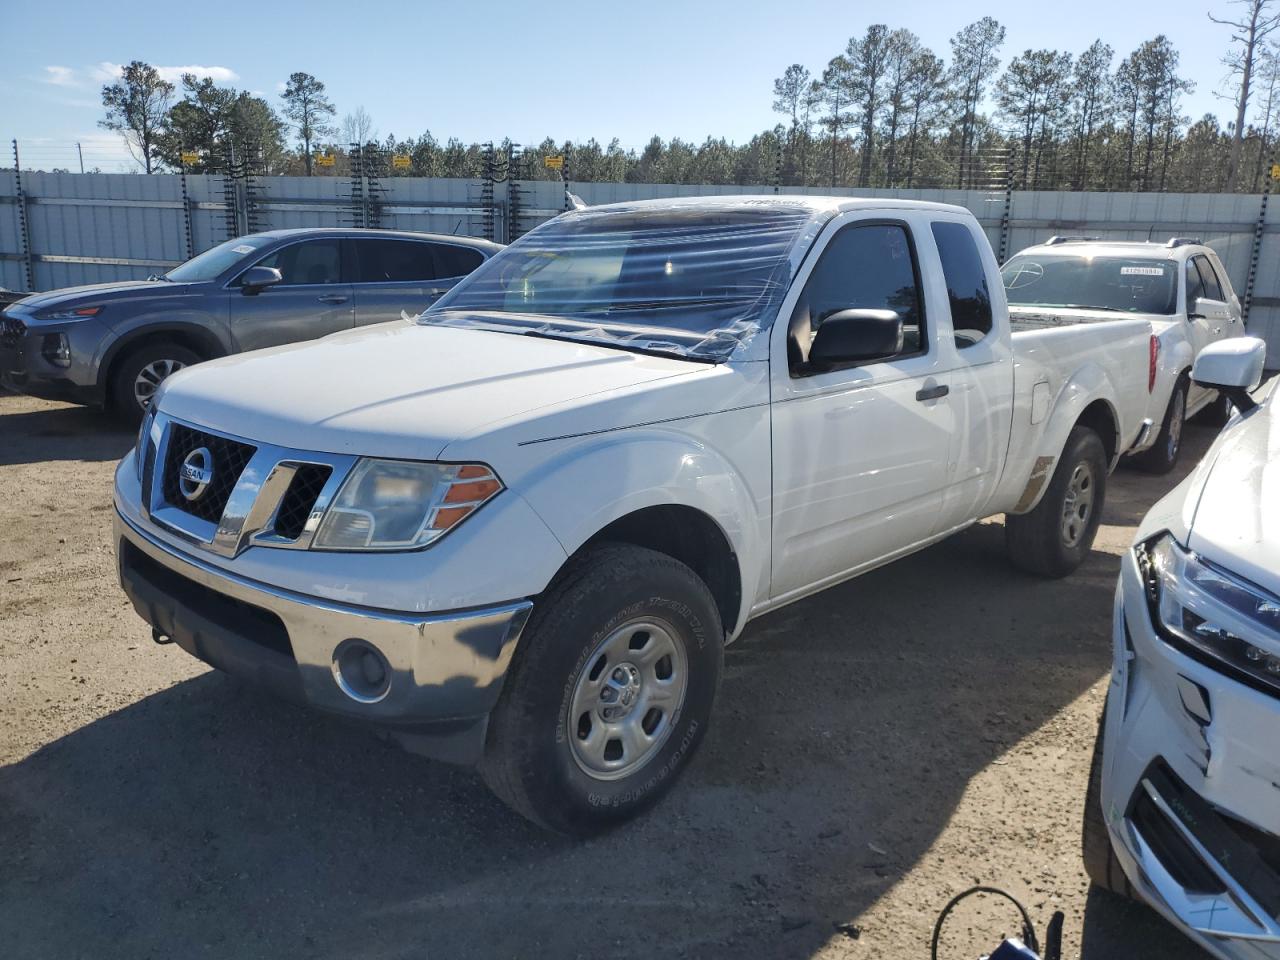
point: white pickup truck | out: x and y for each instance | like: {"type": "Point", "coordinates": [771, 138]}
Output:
{"type": "Point", "coordinates": [1180, 286]}
{"type": "Point", "coordinates": [519, 530]}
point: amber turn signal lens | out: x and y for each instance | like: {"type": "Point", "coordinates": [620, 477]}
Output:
{"type": "Point", "coordinates": [473, 491]}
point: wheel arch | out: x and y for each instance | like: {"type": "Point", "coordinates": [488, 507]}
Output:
{"type": "Point", "coordinates": [198, 339]}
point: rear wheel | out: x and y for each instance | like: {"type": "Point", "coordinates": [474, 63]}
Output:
{"type": "Point", "coordinates": [1163, 454]}
{"type": "Point", "coordinates": [609, 693]}
{"type": "Point", "coordinates": [1055, 537]}
{"type": "Point", "coordinates": [139, 373]}
{"type": "Point", "coordinates": [1100, 863]}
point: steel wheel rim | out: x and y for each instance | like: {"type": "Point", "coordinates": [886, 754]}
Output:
{"type": "Point", "coordinates": [1178, 413]}
{"type": "Point", "coordinates": [627, 699]}
{"type": "Point", "coordinates": [150, 377]}
{"type": "Point", "coordinates": [1078, 506]}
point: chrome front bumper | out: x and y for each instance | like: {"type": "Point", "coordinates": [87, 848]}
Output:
{"type": "Point", "coordinates": [445, 670]}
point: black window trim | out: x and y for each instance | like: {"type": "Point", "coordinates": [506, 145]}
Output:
{"type": "Point", "coordinates": [343, 267]}
{"type": "Point", "coordinates": [964, 224]}
{"type": "Point", "coordinates": [806, 371]}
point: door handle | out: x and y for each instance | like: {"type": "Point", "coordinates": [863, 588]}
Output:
{"type": "Point", "coordinates": [332, 298]}
{"type": "Point", "coordinates": [933, 393]}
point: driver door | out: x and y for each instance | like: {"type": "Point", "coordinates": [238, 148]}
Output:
{"type": "Point", "coordinates": [860, 452]}
{"type": "Point", "coordinates": [1207, 316]}
{"type": "Point", "coordinates": [310, 301]}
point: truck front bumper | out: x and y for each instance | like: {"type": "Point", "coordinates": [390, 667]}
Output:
{"type": "Point", "coordinates": [1191, 787]}
{"type": "Point", "coordinates": [430, 679]}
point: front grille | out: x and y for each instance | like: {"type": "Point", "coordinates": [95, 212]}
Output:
{"type": "Point", "coordinates": [229, 460]}
{"type": "Point", "coordinates": [300, 498]}
{"type": "Point", "coordinates": [148, 471]}
{"type": "Point", "coordinates": [11, 330]}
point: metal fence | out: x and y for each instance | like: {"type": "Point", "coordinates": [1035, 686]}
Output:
{"type": "Point", "coordinates": [62, 229]}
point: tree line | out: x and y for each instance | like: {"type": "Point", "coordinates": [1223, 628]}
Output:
{"type": "Point", "coordinates": [886, 111]}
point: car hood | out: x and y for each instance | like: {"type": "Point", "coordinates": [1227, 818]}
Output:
{"type": "Point", "coordinates": [1236, 524]}
{"type": "Point", "coordinates": [97, 293]}
{"type": "Point", "coordinates": [399, 389]}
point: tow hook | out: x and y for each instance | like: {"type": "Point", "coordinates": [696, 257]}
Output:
{"type": "Point", "coordinates": [160, 638]}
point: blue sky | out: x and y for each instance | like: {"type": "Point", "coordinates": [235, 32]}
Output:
{"type": "Point", "coordinates": [524, 70]}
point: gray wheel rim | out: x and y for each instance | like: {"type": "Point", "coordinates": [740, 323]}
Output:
{"type": "Point", "coordinates": [1178, 413]}
{"type": "Point", "coordinates": [1078, 506]}
{"type": "Point", "coordinates": [150, 377]}
{"type": "Point", "coordinates": [627, 698]}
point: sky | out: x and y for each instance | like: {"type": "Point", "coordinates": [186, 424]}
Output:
{"type": "Point", "coordinates": [522, 70]}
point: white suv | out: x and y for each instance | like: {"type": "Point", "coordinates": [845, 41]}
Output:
{"type": "Point", "coordinates": [1180, 286]}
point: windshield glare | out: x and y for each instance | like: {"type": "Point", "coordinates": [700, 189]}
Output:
{"type": "Point", "coordinates": [214, 262]}
{"type": "Point", "coordinates": [693, 281]}
{"type": "Point", "coordinates": [1128, 284]}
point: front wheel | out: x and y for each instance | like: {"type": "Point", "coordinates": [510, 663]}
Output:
{"type": "Point", "coordinates": [138, 375]}
{"type": "Point", "coordinates": [1217, 413]}
{"type": "Point", "coordinates": [1055, 537]}
{"type": "Point", "coordinates": [609, 693]}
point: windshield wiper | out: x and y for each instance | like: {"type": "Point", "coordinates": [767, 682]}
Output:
{"type": "Point", "coordinates": [630, 346]}
{"type": "Point", "coordinates": [159, 276]}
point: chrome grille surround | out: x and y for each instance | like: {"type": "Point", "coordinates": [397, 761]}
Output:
{"type": "Point", "coordinates": [254, 502]}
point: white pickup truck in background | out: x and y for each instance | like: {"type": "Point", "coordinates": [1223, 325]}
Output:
{"type": "Point", "coordinates": [519, 530]}
{"type": "Point", "coordinates": [1180, 286]}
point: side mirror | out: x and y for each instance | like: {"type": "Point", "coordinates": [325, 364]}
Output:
{"type": "Point", "coordinates": [850, 336]}
{"type": "Point", "coordinates": [256, 279]}
{"type": "Point", "coordinates": [1200, 308]}
{"type": "Point", "coordinates": [1233, 366]}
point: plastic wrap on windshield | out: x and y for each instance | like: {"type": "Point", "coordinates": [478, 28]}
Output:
{"type": "Point", "coordinates": [699, 279]}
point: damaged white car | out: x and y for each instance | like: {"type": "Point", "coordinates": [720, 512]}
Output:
{"type": "Point", "coordinates": [1183, 808]}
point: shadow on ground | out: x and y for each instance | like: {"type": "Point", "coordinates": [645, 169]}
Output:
{"type": "Point", "coordinates": [61, 433]}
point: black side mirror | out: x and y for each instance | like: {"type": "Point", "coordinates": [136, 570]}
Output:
{"type": "Point", "coordinates": [256, 279]}
{"type": "Point", "coordinates": [850, 336]}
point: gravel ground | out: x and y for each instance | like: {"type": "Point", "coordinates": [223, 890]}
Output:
{"type": "Point", "coordinates": [876, 749]}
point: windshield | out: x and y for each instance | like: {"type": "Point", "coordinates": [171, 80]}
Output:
{"type": "Point", "coordinates": [214, 262]}
{"type": "Point", "coordinates": [1129, 285]}
{"type": "Point", "coordinates": [677, 279]}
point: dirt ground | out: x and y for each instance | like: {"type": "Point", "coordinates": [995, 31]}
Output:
{"type": "Point", "coordinates": [875, 749]}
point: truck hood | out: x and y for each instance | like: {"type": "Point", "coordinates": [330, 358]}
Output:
{"type": "Point", "coordinates": [98, 293]}
{"type": "Point", "coordinates": [399, 389]}
{"type": "Point", "coordinates": [1236, 524]}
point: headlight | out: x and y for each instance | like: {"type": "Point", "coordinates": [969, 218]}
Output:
{"type": "Point", "coordinates": [400, 504]}
{"type": "Point", "coordinates": [71, 313]}
{"type": "Point", "coordinates": [1208, 612]}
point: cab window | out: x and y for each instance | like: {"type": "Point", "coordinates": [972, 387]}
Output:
{"type": "Point", "coordinates": [1195, 286]}
{"type": "Point", "coordinates": [1212, 289]}
{"type": "Point", "coordinates": [967, 289]}
{"type": "Point", "coordinates": [865, 266]}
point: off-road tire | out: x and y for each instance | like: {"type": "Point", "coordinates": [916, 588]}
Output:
{"type": "Point", "coordinates": [1036, 541]}
{"type": "Point", "coordinates": [120, 389]}
{"type": "Point", "coordinates": [529, 762]}
{"type": "Point", "coordinates": [1100, 863]}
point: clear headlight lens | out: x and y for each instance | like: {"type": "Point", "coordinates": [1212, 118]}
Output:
{"type": "Point", "coordinates": [1207, 611]}
{"type": "Point", "coordinates": [401, 504]}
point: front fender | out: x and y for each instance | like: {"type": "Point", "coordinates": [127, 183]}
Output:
{"type": "Point", "coordinates": [1088, 385]}
{"type": "Point", "coordinates": [591, 483]}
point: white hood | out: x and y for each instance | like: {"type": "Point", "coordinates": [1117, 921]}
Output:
{"type": "Point", "coordinates": [1237, 515]}
{"type": "Point", "coordinates": [398, 389]}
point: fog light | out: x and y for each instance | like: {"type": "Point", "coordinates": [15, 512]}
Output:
{"type": "Point", "coordinates": [56, 349]}
{"type": "Point", "coordinates": [361, 671]}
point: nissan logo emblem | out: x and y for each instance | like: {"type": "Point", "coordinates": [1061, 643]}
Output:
{"type": "Point", "coordinates": [196, 473]}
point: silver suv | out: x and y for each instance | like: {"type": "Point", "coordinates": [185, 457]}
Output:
{"type": "Point", "coordinates": [113, 343]}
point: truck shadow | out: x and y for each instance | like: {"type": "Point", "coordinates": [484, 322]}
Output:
{"type": "Point", "coordinates": [58, 432]}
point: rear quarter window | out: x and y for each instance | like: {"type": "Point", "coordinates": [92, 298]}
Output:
{"type": "Point", "coordinates": [967, 289]}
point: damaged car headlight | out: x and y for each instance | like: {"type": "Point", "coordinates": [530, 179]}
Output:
{"type": "Point", "coordinates": [402, 504]}
{"type": "Point", "coordinates": [1210, 613]}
